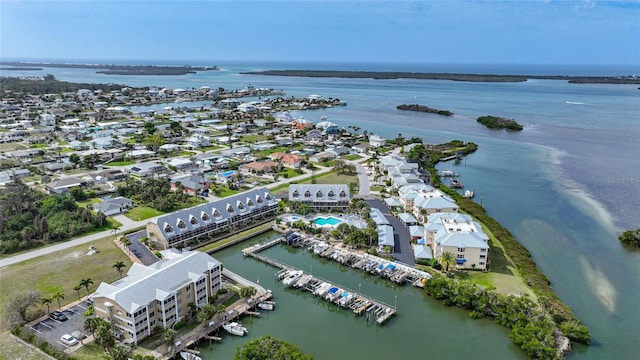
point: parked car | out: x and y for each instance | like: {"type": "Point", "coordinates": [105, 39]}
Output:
{"type": "Point", "coordinates": [69, 340]}
{"type": "Point", "coordinates": [58, 315]}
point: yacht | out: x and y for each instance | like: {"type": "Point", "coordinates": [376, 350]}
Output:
{"type": "Point", "coordinates": [185, 355]}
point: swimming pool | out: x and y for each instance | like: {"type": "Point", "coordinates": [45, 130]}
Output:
{"type": "Point", "coordinates": [228, 173]}
{"type": "Point", "coordinates": [332, 221]}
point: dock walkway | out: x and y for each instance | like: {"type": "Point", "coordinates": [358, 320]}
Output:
{"type": "Point", "coordinates": [373, 309]}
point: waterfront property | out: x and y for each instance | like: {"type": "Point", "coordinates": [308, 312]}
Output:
{"type": "Point", "coordinates": [159, 294]}
{"type": "Point", "coordinates": [321, 197]}
{"type": "Point", "coordinates": [460, 235]}
{"type": "Point", "coordinates": [232, 213]}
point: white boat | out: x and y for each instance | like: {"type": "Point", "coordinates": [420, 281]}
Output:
{"type": "Point", "coordinates": [189, 356]}
{"type": "Point", "coordinates": [235, 329]}
{"type": "Point", "coordinates": [304, 279]}
{"type": "Point", "coordinates": [265, 306]}
{"type": "Point", "coordinates": [322, 289]}
{"type": "Point", "coordinates": [292, 277]}
{"type": "Point", "coordinates": [469, 194]}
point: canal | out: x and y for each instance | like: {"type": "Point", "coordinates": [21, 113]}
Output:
{"type": "Point", "coordinates": [330, 332]}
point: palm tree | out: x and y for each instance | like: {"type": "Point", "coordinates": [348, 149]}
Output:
{"type": "Point", "coordinates": [119, 265]}
{"type": "Point", "coordinates": [86, 283]}
{"type": "Point", "coordinates": [47, 301]}
{"type": "Point", "coordinates": [126, 243]}
{"type": "Point", "coordinates": [57, 296]}
{"type": "Point", "coordinates": [247, 292]}
{"type": "Point", "coordinates": [77, 289]}
{"type": "Point", "coordinates": [447, 259]}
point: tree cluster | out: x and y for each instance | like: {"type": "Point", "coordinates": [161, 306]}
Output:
{"type": "Point", "coordinates": [494, 122]}
{"type": "Point", "coordinates": [268, 348]}
{"type": "Point", "coordinates": [155, 193]}
{"type": "Point", "coordinates": [29, 218]}
{"type": "Point", "coordinates": [531, 327]}
{"type": "Point", "coordinates": [49, 85]}
{"type": "Point", "coordinates": [630, 237]}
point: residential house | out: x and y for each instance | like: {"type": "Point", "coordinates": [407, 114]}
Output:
{"type": "Point", "coordinates": [233, 213]}
{"type": "Point", "coordinates": [259, 167]}
{"type": "Point", "coordinates": [148, 169]}
{"type": "Point", "coordinates": [302, 123]}
{"type": "Point", "coordinates": [110, 175]}
{"type": "Point", "coordinates": [321, 197]}
{"type": "Point", "coordinates": [287, 160]}
{"type": "Point", "coordinates": [182, 164]}
{"type": "Point", "coordinates": [191, 184]}
{"type": "Point", "coordinates": [63, 185]}
{"type": "Point", "coordinates": [113, 206]}
{"type": "Point", "coordinates": [158, 295]}
{"type": "Point", "coordinates": [197, 141]}
{"type": "Point", "coordinates": [314, 137]}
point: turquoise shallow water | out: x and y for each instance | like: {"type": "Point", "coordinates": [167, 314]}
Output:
{"type": "Point", "coordinates": [565, 187]}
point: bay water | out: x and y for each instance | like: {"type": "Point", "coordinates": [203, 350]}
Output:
{"type": "Point", "coordinates": [565, 186]}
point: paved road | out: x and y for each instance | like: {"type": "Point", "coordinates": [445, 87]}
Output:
{"type": "Point", "coordinates": [363, 181]}
{"type": "Point", "coordinates": [402, 251]}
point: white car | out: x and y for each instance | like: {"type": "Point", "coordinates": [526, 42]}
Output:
{"type": "Point", "coordinates": [69, 340]}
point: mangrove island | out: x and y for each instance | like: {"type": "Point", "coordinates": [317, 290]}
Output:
{"type": "Point", "coordinates": [426, 109]}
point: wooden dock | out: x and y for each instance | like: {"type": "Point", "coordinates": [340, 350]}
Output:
{"type": "Point", "coordinates": [374, 310]}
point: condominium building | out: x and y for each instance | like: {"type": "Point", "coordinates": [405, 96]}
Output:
{"type": "Point", "coordinates": [460, 235]}
{"type": "Point", "coordinates": [158, 295]}
{"type": "Point", "coordinates": [321, 197]}
{"type": "Point", "coordinates": [231, 213]}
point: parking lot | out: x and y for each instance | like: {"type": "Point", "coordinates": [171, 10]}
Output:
{"type": "Point", "coordinates": [139, 250]}
{"type": "Point", "coordinates": [52, 330]}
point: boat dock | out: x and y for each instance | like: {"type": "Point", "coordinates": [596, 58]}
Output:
{"type": "Point", "coordinates": [394, 271]}
{"type": "Point", "coordinates": [359, 304]}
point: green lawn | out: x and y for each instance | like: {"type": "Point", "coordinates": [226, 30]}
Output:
{"type": "Point", "coordinates": [224, 192]}
{"type": "Point", "coordinates": [235, 237]}
{"type": "Point", "coordinates": [63, 270]}
{"type": "Point", "coordinates": [352, 157]}
{"type": "Point", "coordinates": [83, 204]}
{"type": "Point", "coordinates": [331, 178]}
{"type": "Point", "coordinates": [291, 173]}
{"type": "Point", "coordinates": [38, 146]}
{"type": "Point", "coordinates": [89, 352]}
{"type": "Point", "coordinates": [11, 348]}
{"type": "Point", "coordinates": [142, 212]}
{"type": "Point", "coordinates": [253, 138]}
{"type": "Point", "coordinates": [210, 148]}
{"type": "Point", "coordinates": [121, 163]}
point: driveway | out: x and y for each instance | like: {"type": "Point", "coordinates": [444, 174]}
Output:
{"type": "Point", "coordinates": [402, 251]}
{"type": "Point", "coordinates": [138, 249]}
{"type": "Point", "coordinates": [363, 181]}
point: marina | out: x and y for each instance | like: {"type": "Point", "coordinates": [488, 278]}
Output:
{"type": "Point", "coordinates": [359, 304]}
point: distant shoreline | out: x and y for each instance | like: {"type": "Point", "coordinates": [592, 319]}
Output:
{"type": "Point", "coordinates": [447, 76]}
{"type": "Point", "coordinates": [119, 69]}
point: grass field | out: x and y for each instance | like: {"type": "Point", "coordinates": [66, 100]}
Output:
{"type": "Point", "coordinates": [12, 348]}
{"type": "Point", "coordinates": [121, 163]}
{"type": "Point", "coordinates": [291, 173]}
{"type": "Point", "coordinates": [224, 192]}
{"type": "Point", "coordinates": [352, 157]}
{"type": "Point", "coordinates": [62, 271]}
{"type": "Point", "coordinates": [235, 237]}
{"type": "Point", "coordinates": [253, 138]}
{"type": "Point", "coordinates": [142, 212]}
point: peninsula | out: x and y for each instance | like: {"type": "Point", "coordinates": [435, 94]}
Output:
{"type": "Point", "coordinates": [426, 109]}
{"type": "Point", "coordinates": [448, 76]}
{"type": "Point", "coordinates": [120, 69]}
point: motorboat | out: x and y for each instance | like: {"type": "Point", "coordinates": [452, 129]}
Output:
{"type": "Point", "coordinates": [292, 277]}
{"type": "Point", "coordinates": [235, 329]}
{"type": "Point", "coordinates": [322, 289]}
{"type": "Point", "coordinates": [304, 279]}
{"type": "Point", "coordinates": [265, 306]}
{"type": "Point", "coordinates": [185, 355]}
{"type": "Point", "coordinates": [448, 173]}
{"type": "Point", "coordinates": [469, 194]}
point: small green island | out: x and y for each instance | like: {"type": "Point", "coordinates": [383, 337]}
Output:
{"type": "Point", "coordinates": [630, 238]}
{"type": "Point", "coordinates": [495, 122]}
{"type": "Point", "coordinates": [422, 108]}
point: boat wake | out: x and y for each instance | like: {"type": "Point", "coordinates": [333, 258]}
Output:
{"type": "Point", "coordinates": [575, 103]}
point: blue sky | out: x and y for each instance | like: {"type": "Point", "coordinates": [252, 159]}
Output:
{"type": "Point", "coordinates": [492, 32]}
